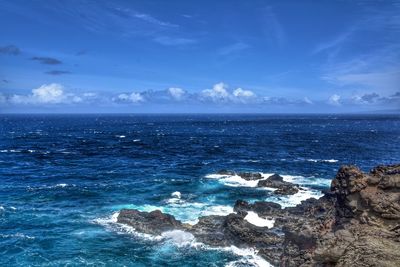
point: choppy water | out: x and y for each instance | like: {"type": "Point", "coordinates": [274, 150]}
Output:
{"type": "Point", "coordinates": [63, 178]}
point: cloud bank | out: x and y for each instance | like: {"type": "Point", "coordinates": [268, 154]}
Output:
{"type": "Point", "coordinates": [219, 95]}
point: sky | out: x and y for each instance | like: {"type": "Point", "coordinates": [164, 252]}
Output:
{"type": "Point", "coordinates": [199, 56]}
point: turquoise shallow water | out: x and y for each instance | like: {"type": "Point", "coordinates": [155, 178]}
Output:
{"type": "Point", "coordinates": [63, 177]}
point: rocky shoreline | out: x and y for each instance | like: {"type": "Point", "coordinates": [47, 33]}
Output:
{"type": "Point", "coordinates": [356, 222]}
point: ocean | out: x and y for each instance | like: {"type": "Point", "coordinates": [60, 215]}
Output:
{"type": "Point", "coordinates": [63, 179]}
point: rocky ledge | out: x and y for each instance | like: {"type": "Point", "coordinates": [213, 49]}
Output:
{"type": "Point", "coordinates": [356, 223]}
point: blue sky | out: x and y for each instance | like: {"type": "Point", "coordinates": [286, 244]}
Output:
{"type": "Point", "coordinates": [208, 56]}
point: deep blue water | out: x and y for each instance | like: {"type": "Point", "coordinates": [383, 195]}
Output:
{"type": "Point", "coordinates": [62, 177]}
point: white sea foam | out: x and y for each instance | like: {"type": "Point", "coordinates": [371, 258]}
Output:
{"type": "Point", "coordinates": [256, 220]}
{"type": "Point", "coordinates": [323, 160]}
{"type": "Point", "coordinates": [236, 180]}
{"type": "Point", "coordinates": [306, 181]}
{"type": "Point", "coordinates": [330, 160]}
{"type": "Point", "coordinates": [136, 140]}
{"type": "Point", "coordinates": [249, 257]}
{"type": "Point", "coordinates": [293, 200]}
{"type": "Point", "coordinates": [285, 201]}
{"type": "Point", "coordinates": [181, 238]}
{"type": "Point", "coordinates": [111, 223]}
{"type": "Point", "coordinates": [176, 194]}
{"type": "Point", "coordinates": [121, 136]}
{"type": "Point", "coordinates": [178, 237]}
{"type": "Point", "coordinates": [175, 198]}
{"type": "Point", "coordinates": [17, 235]}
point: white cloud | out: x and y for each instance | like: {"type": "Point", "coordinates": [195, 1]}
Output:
{"type": "Point", "coordinates": [46, 94]}
{"type": "Point", "coordinates": [240, 93]}
{"type": "Point", "coordinates": [176, 93]}
{"type": "Point", "coordinates": [334, 100]}
{"type": "Point", "coordinates": [51, 93]}
{"type": "Point", "coordinates": [217, 93]}
{"type": "Point", "coordinates": [133, 97]}
{"type": "Point", "coordinates": [220, 93]}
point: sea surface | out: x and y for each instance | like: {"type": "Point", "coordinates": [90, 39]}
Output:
{"type": "Point", "coordinates": [63, 178]}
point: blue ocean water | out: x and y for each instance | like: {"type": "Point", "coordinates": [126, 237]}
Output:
{"type": "Point", "coordinates": [64, 177]}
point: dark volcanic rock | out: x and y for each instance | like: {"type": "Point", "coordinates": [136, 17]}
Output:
{"type": "Point", "coordinates": [262, 208]}
{"type": "Point", "coordinates": [356, 223]}
{"type": "Point", "coordinates": [282, 187]}
{"type": "Point", "coordinates": [154, 222]}
{"type": "Point", "coordinates": [250, 175]}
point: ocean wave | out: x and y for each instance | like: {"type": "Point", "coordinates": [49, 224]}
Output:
{"type": "Point", "coordinates": [249, 257]}
{"type": "Point", "coordinates": [175, 198]}
{"type": "Point", "coordinates": [323, 160]}
{"type": "Point", "coordinates": [3, 209]}
{"type": "Point", "coordinates": [180, 238]}
{"type": "Point", "coordinates": [236, 180]}
{"type": "Point", "coordinates": [295, 199]}
{"type": "Point", "coordinates": [304, 193]}
{"type": "Point", "coordinates": [307, 181]}
{"type": "Point", "coordinates": [17, 235]}
{"type": "Point", "coordinates": [43, 187]}
{"type": "Point", "coordinates": [10, 151]}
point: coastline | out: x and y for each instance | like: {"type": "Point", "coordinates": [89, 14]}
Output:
{"type": "Point", "coordinates": [361, 211]}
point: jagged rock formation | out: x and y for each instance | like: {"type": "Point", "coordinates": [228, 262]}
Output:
{"type": "Point", "coordinates": [356, 223]}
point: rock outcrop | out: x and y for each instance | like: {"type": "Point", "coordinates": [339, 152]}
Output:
{"type": "Point", "coordinates": [282, 187]}
{"type": "Point", "coordinates": [154, 222]}
{"type": "Point", "coordinates": [356, 223]}
{"type": "Point", "coordinates": [274, 181]}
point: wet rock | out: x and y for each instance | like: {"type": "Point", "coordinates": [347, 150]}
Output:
{"type": "Point", "coordinates": [282, 187]}
{"type": "Point", "coordinates": [154, 222]}
{"type": "Point", "coordinates": [263, 208]}
{"type": "Point", "coordinates": [232, 230]}
{"type": "Point", "coordinates": [249, 176]}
